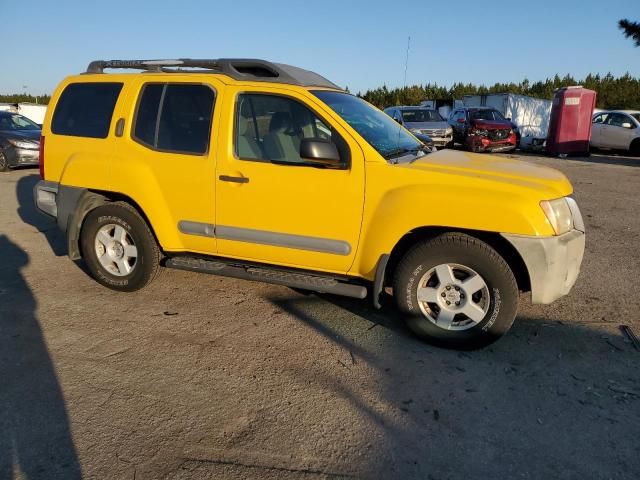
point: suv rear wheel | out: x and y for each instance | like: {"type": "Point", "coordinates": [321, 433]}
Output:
{"type": "Point", "coordinates": [456, 291]}
{"type": "Point", "coordinates": [119, 247]}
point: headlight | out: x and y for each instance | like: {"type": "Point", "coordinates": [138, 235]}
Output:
{"type": "Point", "coordinates": [449, 131]}
{"type": "Point", "coordinates": [22, 144]}
{"type": "Point", "coordinates": [559, 214]}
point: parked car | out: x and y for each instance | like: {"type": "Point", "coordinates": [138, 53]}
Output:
{"type": "Point", "coordinates": [618, 129]}
{"type": "Point", "coordinates": [482, 129]}
{"type": "Point", "coordinates": [423, 121]}
{"type": "Point", "coordinates": [271, 173]}
{"type": "Point", "coordinates": [19, 141]}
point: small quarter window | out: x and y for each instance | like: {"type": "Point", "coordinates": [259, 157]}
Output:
{"type": "Point", "coordinates": [85, 109]}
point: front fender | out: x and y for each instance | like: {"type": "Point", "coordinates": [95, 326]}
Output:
{"type": "Point", "coordinates": [402, 210]}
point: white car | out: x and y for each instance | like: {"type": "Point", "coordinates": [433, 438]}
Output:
{"type": "Point", "coordinates": [618, 129]}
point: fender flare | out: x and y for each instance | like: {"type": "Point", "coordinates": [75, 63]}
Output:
{"type": "Point", "coordinates": [73, 206]}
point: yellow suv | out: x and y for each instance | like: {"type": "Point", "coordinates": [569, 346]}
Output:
{"type": "Point", "coordinates": [269, 172]}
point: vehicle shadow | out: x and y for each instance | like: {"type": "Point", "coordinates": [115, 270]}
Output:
{"type": "Point", "coordinates": [550, 400]}
{"type": "Point", "coordinates": [30, 215]}
{"type": "Point", "coordinates": [35, 438]}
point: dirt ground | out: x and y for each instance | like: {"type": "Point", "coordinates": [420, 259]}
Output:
{"type": "Point", "coordinates": [206, 377]}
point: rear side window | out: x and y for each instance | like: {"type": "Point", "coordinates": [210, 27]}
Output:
{"type": "Point", "coordinates": [175, 117]}
{"type": "Point", "coordinates": [85, 109]}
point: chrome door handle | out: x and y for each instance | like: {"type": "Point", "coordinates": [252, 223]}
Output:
{"type": "Point", "coordinates": [228, 178]}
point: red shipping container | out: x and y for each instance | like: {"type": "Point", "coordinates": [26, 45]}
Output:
{"type": "Point", "coordinates": [570, 123]}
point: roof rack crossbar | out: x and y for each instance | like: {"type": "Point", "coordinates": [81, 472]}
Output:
{"type": "Point", "coordinates": [238, 69]}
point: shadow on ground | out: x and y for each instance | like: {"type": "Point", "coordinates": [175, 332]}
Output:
{"type": "Point", "coordinates": [550, 400]}
{"type": "Point", "coordinates": [30, 215]}
{"type": "Point", "coordinates": [35, 439]}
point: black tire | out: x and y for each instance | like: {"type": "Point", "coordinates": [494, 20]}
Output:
{"type": "Point", "coordinates": [634, 149]}
{"type": "Point", "coordinates": [147, 263]}
{"type": "Point", "coordinates": [4, 164]}
{"type": "Point", "coordinates": [467, 251]}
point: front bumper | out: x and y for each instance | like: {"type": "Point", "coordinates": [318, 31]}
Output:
{"type": "Point", "coordinates": [442, 141]}
{"type": "Point", "coordinates": [553, 263]}
{"type": "Point", "coordinates": [17, 157]}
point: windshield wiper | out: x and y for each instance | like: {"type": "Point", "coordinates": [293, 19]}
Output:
{"type": "Point", "coordinates": [398, 152]}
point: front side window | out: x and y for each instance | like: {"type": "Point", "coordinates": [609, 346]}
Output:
{"type": "Point", "coordinates": [175, 117]}
{"type": "Point", "coordinates": [271, 128]}
{"type": "Point", "coordinates": [15, 121]}
{"type": "Point", "coordinates": [85, 109]}
{"type": "Point", "coordinates": [378, 129]}
{"type": "Point", "coordinates": [600, 118]}
{"type": "Point", "coordinates": [421, 115]}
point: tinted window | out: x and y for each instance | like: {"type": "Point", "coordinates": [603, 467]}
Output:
{"type": "Point", "coordinates": [147, 116]}
{"type": "Point", "coordinates": [175, 117]}
{"type": "Point", "coordinates": [85, 109]}
{"type": "Point", "coordinates": [271, 128]}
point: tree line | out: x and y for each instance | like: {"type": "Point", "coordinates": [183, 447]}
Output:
{"type": "Point", "coordinates": [25, 98]}
{"type": "Point", "coordinates": [613, 92]}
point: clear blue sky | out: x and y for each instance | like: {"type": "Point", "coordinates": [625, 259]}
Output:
{"type": "Point", "coordinates": [360, 44]}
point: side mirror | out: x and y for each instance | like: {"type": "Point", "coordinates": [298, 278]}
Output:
{"type": "Point", "coordinates": [320, 152]}
{"type": "Point", "coordinates": [460, 120]}
{"type": "Point", "coordinates": [398, 120]}
{"type": "Point", "coordinates": [627, 125]}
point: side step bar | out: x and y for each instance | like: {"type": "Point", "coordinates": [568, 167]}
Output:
{"type": "Point", "coordinates": [289, 278]}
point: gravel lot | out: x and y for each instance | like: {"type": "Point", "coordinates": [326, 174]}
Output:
{"type": "Point", "coordinates": [206, 377]}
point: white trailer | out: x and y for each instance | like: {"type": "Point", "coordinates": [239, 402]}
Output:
{"type": "Point", "coordinates": [531, 115]}
{"type": "Point", "coordinates": [32, 111]}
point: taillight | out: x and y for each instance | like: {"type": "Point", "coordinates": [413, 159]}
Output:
{"type": "Point", "coordinates": [41, 157]}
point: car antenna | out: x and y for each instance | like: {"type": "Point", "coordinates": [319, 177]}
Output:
{"type": "Point", "coordinates": [404, 87]}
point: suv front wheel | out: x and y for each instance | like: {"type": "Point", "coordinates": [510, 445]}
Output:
{"type": "Point", "coordinates": [456, 291]}
{"type": "Point", "coordinates": [119, 247]}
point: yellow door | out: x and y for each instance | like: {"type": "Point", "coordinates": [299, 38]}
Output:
{"type": "Point", "coordinates": [270, 205]}
{"type": "Point", "coordinates": [169, 161]}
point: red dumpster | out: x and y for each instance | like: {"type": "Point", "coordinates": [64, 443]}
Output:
{"type": "Point", "coordinates": [570, 122]}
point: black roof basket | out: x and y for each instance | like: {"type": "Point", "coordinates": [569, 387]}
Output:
{"type": "Point", "coordinates": [236, 68]}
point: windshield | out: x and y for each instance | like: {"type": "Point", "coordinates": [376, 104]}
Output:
{"type": "Point", "coordinates": [486, 115]}
{"type": "Point", "coordinates": [14, 121]}
{"type": "Point", "coordinates": [421, 115]}
{"type": "Point", "coordinates": [383, 133]}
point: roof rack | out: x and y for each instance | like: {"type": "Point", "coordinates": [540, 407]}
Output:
{"type": "Point", "coordinates": [236, 68]}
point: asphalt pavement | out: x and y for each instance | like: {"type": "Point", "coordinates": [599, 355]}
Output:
{"type": "Point", "coordinates": [206, 377]}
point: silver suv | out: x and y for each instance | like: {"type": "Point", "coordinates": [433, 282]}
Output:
{"type": "Point", "coordinates": [423, 121]}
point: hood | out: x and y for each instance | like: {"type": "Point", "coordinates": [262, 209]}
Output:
{"type": "Point", "coordinates": [33, 135]}
{"type": "Point", "coordinates": [427, 125]}
{"type": "Point", "coordinates": [491, 124]}
{"type": "Point", "coordinates": [548, 182]}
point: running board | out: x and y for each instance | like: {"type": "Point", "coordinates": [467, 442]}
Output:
{"type": "Point", "coordinates": [265, 274]}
